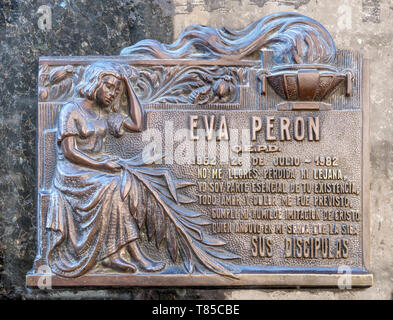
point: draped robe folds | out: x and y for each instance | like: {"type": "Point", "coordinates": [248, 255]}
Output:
{"type": "Point", "coordinates": [87, 220]}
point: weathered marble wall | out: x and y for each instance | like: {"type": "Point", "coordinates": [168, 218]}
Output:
{"type": "Point", "coordinates": [103, 27]}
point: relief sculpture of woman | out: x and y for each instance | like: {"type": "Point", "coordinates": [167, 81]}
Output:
{"type": "Point", "coordinates": [88, 219]}
{"type": "Point", "coordinates": [100, 202]}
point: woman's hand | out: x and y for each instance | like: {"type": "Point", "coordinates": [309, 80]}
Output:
{"type": "Point", "coordinates": [110, 165]}
{"type": "Point", "coordinates": [123, 73]}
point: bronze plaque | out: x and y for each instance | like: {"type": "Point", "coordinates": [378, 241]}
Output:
{"type": "Point", "coordinates": [228, 158]}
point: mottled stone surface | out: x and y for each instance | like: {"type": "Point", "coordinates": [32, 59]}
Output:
{"type": "Point", "coordinates": [103, 27]}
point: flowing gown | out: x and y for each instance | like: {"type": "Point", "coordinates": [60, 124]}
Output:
{"type": "Point", "coordinates": [87, 220]}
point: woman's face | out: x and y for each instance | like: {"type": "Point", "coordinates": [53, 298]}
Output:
{"type": "Point", "coordinates": [108, 91]}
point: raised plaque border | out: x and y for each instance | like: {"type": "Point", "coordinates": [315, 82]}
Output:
{"type": "Point", "coordinates": [361, 279]}
{"type": "Point", "coordinates": [273, 276]}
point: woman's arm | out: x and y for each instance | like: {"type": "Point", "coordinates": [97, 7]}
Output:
{"type": "Point", "coordinates": [135, 123]}
{"type": "Point", "coordinates": [70, 151]}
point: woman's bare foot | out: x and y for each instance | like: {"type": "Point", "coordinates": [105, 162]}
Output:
{"type": "Point", "coordinates": [142, 261]}
{"type": "Point", "coordinates": [115, 261]}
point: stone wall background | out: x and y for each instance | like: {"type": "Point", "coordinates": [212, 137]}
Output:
{"type": "Point", "coordinates": [83, 27]}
